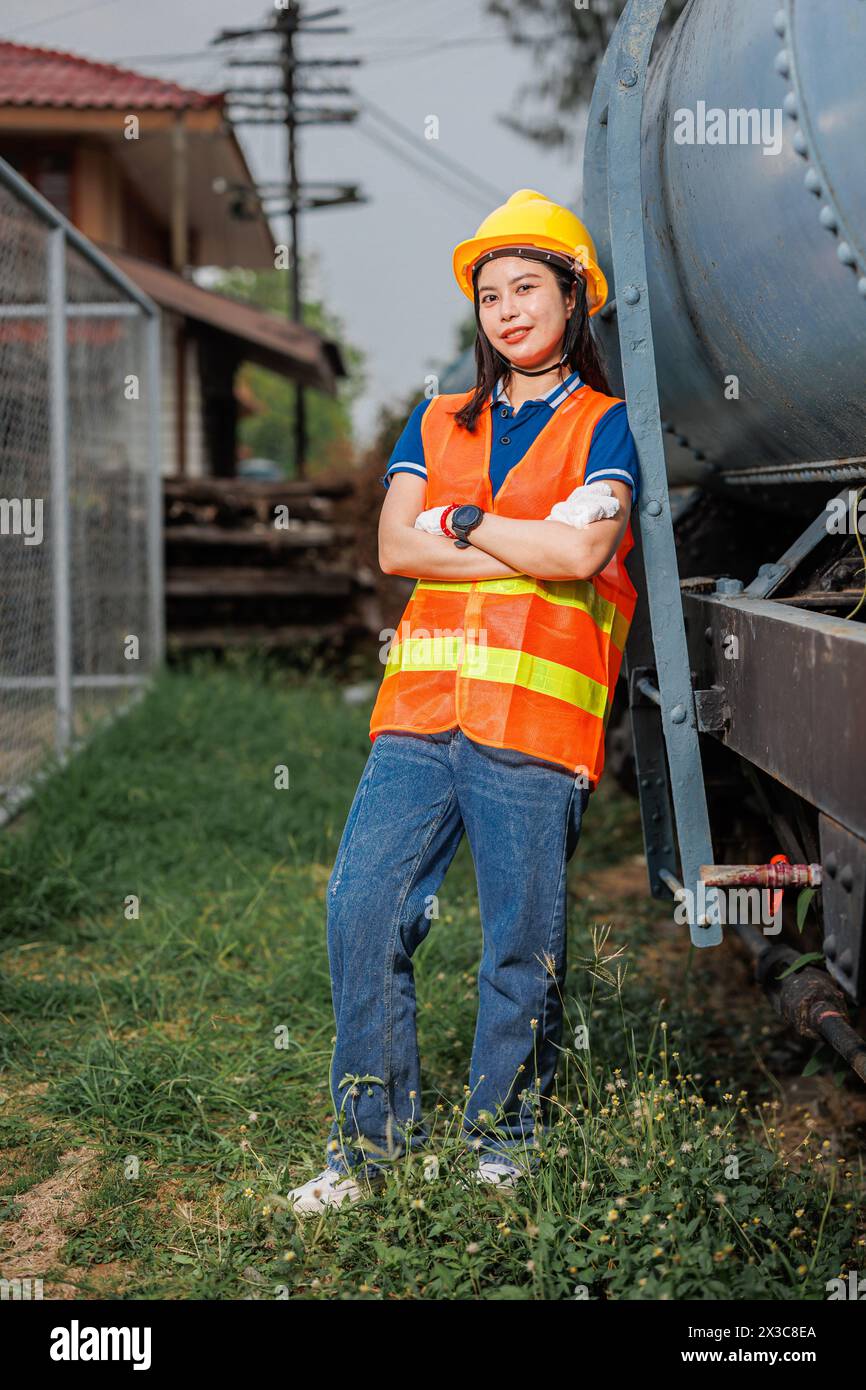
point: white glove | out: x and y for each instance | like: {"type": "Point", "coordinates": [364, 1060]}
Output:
{"type": "Point", "coordinates": [594, 502]}
{"type": "Point", "coordinates": [430, 521]}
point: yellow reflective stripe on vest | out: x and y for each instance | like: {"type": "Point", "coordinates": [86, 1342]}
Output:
{"type": "Point", "coordinates": [571, 593]}
{"type": "Point", "coordinates": [425, 653]}
{"type": "Point", "coordinates": [460, 585]}
{"type": "Point", "coordinates": [512, 667]}
{"type": "Point", "coordinates": [501, 664]}
{"type": "Point", "coordinates": [619, 631]}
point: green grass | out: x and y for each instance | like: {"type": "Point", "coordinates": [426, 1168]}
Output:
{"type": "Point", "coordinates": [162, 915]}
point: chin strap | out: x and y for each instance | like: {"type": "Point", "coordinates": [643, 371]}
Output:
{"type": "Point", "coordinates": [543, 371]}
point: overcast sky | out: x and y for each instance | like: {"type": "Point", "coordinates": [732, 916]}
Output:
{"type": "Point", "coordinates": [384, 266]}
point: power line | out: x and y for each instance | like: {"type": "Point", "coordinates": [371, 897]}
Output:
{"type": "Point", "coordinates": [164, 57]}
{"type": "Point", "coordinates": [398, 153]}
{"type": "Point", "coordinates": [65, 14]}
{"type": "Point", "coordinates": [381, 5]}
{"type": "Point", "coordinates": [428, 149]}
{"type": "Point", "coordinates": [465, 41]}
{"type": "Point", "coordinates": [453, 165]}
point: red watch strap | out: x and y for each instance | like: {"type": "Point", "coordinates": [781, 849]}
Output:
{"type": "Point", "coordinates": [443, 520]}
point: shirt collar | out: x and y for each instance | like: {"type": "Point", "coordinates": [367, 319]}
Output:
{"type": "Point", "coordinates": [554, 397]}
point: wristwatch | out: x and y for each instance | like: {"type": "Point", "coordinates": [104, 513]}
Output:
{"type": "Point", "coordinates": [464, 520]}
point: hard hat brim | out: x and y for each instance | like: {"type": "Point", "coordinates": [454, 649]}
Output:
{"type": "Point", "coordinates": [468, 252]}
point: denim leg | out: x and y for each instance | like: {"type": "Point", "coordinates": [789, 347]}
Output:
{"type": "Point", "coordinates": [402, 832]}
{"type": "Point", "coordinates": [522, 818]}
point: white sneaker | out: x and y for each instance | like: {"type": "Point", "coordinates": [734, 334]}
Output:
{"type": "Point", "coordinates": [497, 1171]}
{"type": "Point", "coordinates": [330, 1189]}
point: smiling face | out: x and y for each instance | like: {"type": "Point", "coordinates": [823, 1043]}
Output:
{"type": "Point", "coordinates": [522, 311]}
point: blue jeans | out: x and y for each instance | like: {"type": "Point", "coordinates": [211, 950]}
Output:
{"type": "Point", "coordinates": [417, 795]}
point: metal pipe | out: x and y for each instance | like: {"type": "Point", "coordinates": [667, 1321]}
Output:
{"type": "Point", "coordinates": [761, 875]}
{"type": "Point", "coordinates": [646, 687]}
{"type": "Point", "coordinates": [58, 375]}
{"type": "Point", "coordinates": [152, 330]}
{"type": "Point", "coordinates": [808, 1000]}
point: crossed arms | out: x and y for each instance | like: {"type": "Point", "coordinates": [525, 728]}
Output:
{"type": "Point", "coordinates": [501, 545]}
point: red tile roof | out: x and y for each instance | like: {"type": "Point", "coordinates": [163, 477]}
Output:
{"type": "Point", "coordinates": [50, 77]}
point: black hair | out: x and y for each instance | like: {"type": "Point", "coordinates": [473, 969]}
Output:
{"type": "Point", "coordinates": [582, 353]}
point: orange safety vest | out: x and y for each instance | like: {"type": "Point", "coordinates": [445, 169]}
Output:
{"type": "Point", "coordinates": [521, 663]}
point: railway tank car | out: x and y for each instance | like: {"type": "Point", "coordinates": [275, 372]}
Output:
{"type": "Point", "coordinates": [724, 184]}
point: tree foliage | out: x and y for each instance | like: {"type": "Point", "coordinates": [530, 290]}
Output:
{"type": "Point", "coordinates": [566, 68]}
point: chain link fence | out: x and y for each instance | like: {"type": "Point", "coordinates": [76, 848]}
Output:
{"type": "Point", "coordinates": [81, 629]}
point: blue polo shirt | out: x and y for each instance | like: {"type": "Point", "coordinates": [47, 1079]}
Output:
{"type": "Point", "coordinates": [612, 451]}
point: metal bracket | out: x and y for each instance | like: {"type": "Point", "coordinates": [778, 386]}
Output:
{"type": "Point", "coordinates": [769, 577]}
{"type": "Point", "coordinates": [714, 714]}
{"type": "Point", "coordinates": [672, 726]}
{"type": "Point", "coordinates": [651, 771]}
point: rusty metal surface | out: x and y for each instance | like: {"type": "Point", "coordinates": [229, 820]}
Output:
{"type": "Point", "coordinates": [761, 875]}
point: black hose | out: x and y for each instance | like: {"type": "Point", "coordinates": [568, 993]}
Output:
{"type": "Point", "coordinates": [808, 999]}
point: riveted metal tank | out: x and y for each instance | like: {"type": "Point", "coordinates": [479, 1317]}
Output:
{"type": "Point", "coordinates": [756, 260]}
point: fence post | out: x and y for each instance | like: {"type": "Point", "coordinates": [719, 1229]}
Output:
{"type": "Point", "coordinates": [152, 328]}
{"type": "Point", "coordinates": [58, 377]}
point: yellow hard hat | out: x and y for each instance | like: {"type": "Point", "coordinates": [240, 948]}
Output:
{"type": "Point", "coordinates": [530, 221]}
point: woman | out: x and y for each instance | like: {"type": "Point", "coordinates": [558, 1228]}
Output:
{"type": "Point", "coordinates": [491, 713]}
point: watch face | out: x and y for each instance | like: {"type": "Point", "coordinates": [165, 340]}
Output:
{"type": "Point", "coordinates": [467, 515]}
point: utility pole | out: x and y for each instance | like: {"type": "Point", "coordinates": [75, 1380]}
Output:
{"type": "Point", "coordinates": [276, 105]}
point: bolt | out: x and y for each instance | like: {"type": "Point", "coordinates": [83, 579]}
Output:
{"type": "Point", "coordinates": [653, 508]}
{"type": "Point", "coordinates": [627, 77]}
{"type": "Point", "coordinates": [783, 62]}
{"type": "Point", "coordinates": [631, 294]}
{"type": "Point", "coordinates": [678, 714]}
{"type": "Point", "coordinates": [846, 878]}
{"type": "Point", "coordinates": [845, 254]}
{"type": "Point", "coordinates": [812, 182]}
{"type": "Point", "coordinates": [831, 864]}
{"type": "Point", "coordinates": [729, 586]}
